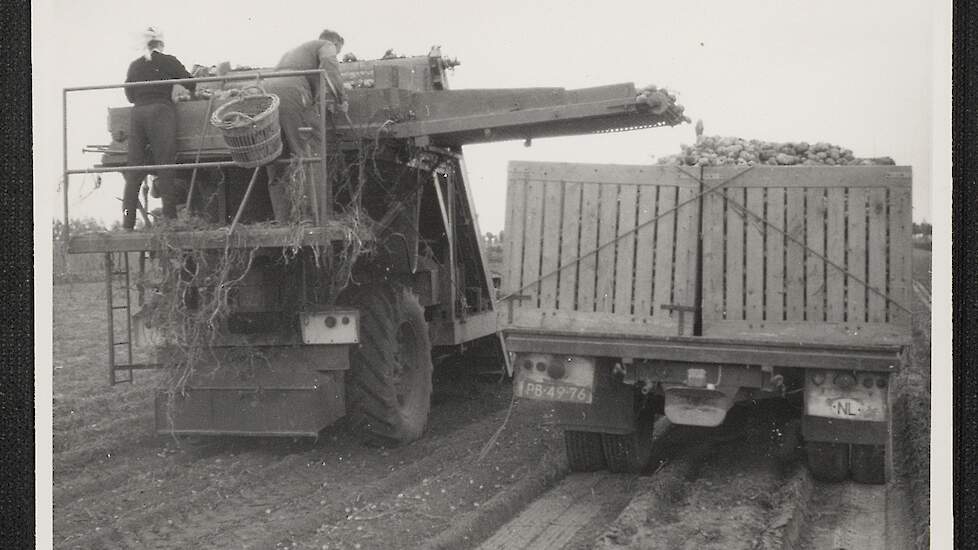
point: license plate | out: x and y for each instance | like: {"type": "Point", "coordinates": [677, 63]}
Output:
{"type": "Point", "coordinates": [856, 403]}
{"type": "Point", "coordinates": [545, 391]}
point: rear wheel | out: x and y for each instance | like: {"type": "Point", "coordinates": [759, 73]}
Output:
{"type": "Point", "coordinates": [828, 461]}
{"type": "Point", "coordinates": [389, 382]}
{"type": "Point", "coordinates": [630, 453]}
{"type": "Point", "coordinates": [584, 451]}
{"type": "Point", "coordinates": [868, 464]}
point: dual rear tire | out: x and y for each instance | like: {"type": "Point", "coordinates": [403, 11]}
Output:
{"type": "Point", "coordinates": [834, 462]}
{"type": "Point", "coordinates": [619, 453]}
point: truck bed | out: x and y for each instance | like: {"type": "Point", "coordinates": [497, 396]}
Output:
{"type": "Point", "coordinates": [802, 256]}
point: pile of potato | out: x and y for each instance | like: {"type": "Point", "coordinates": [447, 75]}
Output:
{"type": "Point", "coordinates": [725, 151]}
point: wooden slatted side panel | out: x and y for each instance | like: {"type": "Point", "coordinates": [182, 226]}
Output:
{"type": "Point", "coordinates": [900, 259]}
{"type": "Point", "coordinates": [754, 252]}
{"type": "Point", "coordinates": [835, 279]}
{"type": "Point", "coordinates": [876, 255]}
{"type": "Point", "coordinates": [734, 256]}
{"type": "Point", "coordinates": [513, 253]}
{"type": "Point", "coordinates": [608, 246]}
{"type": "Point", "coordinates": [815, 223]}
{"type": "Point", "coordinates": [587, 265]}
{"type": "Point", "coordinates": [794, 262]}
{"type": "Point", "coordinates": [550, 253]}
{"type": "Point", "coordinates": [533, 232]}
{"type": "Point", "coordinates": [604, 292]}
{"type": "Point", "coordinates": [856, 255]}
{"type": "Point", "coordinates": [828, 256]}
{"type": "Point", "coordinates": [665, 238]}
{"type": "Point", "coordinates": [625, 253]}
{"type": "Point", "coordinates": [713, 217]}
{"type": "Point", "coordinates": [687, 251]}
{"type": "Point", "coordinates": [569, 246]}
{"type": "Point", "coordinates": [645, 248]}
{"type": "Point", "coordinates": [774, 254]}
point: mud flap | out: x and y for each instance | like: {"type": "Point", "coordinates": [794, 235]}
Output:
{"type": "Point", "coordinates": [290, 392]}
{"type": "Point", "coordinates": [698, 406]}
{"type": "Point", "coordinates": [612, 409]}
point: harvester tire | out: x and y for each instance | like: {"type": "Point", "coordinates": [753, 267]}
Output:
{"type": "Point", "coordinates": [584, 451]}
{"type": "Point", "coordinates": [630, 453]}
{"type": "Point", "coordinates": [828, 461]}
{"type": "Point", "coordinates": [389, 382]}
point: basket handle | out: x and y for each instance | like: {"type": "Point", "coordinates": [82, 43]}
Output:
{"type": "Point", "coordinates": [238, 115]}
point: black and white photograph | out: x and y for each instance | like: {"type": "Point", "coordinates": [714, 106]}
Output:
{"type": "Point", "coordinates": [496, 276]}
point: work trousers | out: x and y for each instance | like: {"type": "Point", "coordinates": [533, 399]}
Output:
{"type": "Point", "coordinates": [296, 109]}
{"type": "Point", "coordinates": [154, 125]}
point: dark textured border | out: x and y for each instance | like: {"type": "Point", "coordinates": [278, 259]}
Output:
{"type": "Point", "coordinates": [16, 280]}
{"type": "Point", "coordinates": [965, 267]}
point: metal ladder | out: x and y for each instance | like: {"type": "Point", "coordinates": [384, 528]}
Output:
{"type": "Point", "coordinates": [118, 297]}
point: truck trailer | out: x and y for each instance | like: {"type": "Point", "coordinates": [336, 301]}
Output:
{"type": "Point", "coordinates": [634, 291]}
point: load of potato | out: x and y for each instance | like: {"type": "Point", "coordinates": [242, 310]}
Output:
{"type": "Point", "coordinates": [725, 151]}
{"type": "Point", "coordinates": [660, 100]}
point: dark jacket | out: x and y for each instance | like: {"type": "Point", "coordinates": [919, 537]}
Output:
{"type": "Point", "coordinates": [160, 67]}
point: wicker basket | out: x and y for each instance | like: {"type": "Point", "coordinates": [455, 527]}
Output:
{"type": "Point", "coordinates": [251, 129]}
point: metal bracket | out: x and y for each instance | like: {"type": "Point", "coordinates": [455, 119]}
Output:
{"type": "Point", "coordinates": [683, 310]}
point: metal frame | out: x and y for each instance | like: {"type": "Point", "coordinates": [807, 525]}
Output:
{"type": "Point", "coordinates": [701, 349]}
{"type": "Point", "coordinates": [66, 172]}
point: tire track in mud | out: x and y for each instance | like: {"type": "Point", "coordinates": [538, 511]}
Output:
{"type": "Point", "coordinates": [235, 482]}
{"type": "Point", "coordinates": [742, 485]}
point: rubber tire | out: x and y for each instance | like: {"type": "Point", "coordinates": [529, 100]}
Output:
{"type": "Point", "coordinates": [373, 405]}
{"type": "Point", "coordinates": [868, 464]}
{"type": "Point", "coordinates": [630, 453]}
{"type": "Point", "coordinates": [584, 451]}
{"type": "Point", "coordinates": [828, 461]}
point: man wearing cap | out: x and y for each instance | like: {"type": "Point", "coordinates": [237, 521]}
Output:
{"type": "Point", "coordinates": [296, 95]}
{"type": "Point", "coordinates": [152, 121]}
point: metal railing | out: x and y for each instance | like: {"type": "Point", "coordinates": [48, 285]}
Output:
{"type": "Point", "coordinates": [257, 76]}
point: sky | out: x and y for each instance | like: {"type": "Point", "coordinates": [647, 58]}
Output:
{"type": "Point", "coordinates": [857, 74]}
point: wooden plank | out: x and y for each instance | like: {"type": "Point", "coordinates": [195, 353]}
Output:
{"type": "Point", "coordinates": [804, 332]}
{"type": "Point", "coordinates": [512, 205]}
{"type": "Point", "coordinates": [817, 176]}
{"type": "Point", "coordinates": [755, 255]}
{"type": "Point", "coordinates": [877, 255]}
{"type": "Point", "coordinates": [900, 247]}
{"type": "Point", "coordinates": [591, 322]}
{"type": "Point", "coordinates": [687, 251]}
{"type": "Point", "coordinates": [552, 214]}
{"type": "Point", "coordinates": [604, 296]}
{"type": "Point", "coordinates": [625, 269]}
{"type": "Point", "coordinates": [569, 249]}
{"type": "Point", "coordinates": [734, 277]}
{"type": "Point", "coordinates": [645, 250]}
{"type": "Point", "coordinates": [835, 279]}
{"type": "Point", "coordinates": [856, 256]}
{"type": "Point", "coordinates": [244, 236]}
{"type": "Point", "coordinates": [531, 244]}
{"type": "Point", "coordinates": [794, 278]}
{"type": "Point", "coordinates": [712, 256]}
{"type": "Point", "coordinates": [516, 202]}
{"type": "Point", "coordinates": [622, 174]}
{"type": "Point", "coordinates": [815, 218]}
{"type": "Point", "coordinates": [589, 242]}
{"type": "Point", "coordinates": [664, 242]}
{"type": "Point", "coordinates": [774, 287]}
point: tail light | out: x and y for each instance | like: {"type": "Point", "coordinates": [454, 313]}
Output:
{"type": "Point", "coordinates": [845, 380]}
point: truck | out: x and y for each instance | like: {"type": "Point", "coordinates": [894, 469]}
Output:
{"type": "Point", "coordinates": [281, 329]}
{"type": "Point", "coordinates": [633, 292]}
